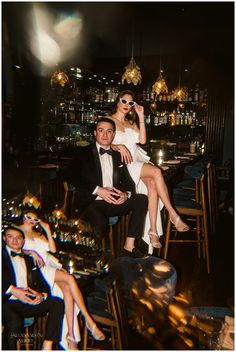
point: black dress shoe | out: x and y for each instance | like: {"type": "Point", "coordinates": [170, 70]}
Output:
{"type": "Point", "coordinates": [135, 253]}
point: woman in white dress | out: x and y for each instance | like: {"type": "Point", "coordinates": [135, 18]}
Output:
{"type": "Point", "coordinates": [61, 283]}
{"type": "Point", "coordinates": [130, 130]}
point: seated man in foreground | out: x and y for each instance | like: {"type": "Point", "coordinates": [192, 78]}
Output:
{"type": "Point", "coordinates": [105, 187]}
{"type": "Point", "coordinates": [25, 293]}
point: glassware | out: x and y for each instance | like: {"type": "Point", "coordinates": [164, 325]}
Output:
{"type": "Point", "coordinates": [209, 333]}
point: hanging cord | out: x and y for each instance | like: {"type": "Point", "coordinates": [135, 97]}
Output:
{"type": "Point", "coordinates": [180, 66]}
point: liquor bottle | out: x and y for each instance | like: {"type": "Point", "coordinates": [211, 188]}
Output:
{"type": "Point", "coordinates": [201, 95]}
{"type": "Point", "coordinates": [194, 118]}
{"type": "Point", "coordinates": [178, 117]}
{"type": "Point", "coordinates": [205, 95]}
{"type": "Point", "coordinates": [148, 95]}
{"type": "Point", "coordinates": [172, 119]}
{"type": "Point", "coordinates": [144, 95]}
{"type": "Point", "coordinates": [148, 119]}
{"type": "Point", "coordinates": [190, 95]}
{"type": "Point", "coordinates": [156, 119]}
{"type": "Point", "coordinates": [190, 118]}
{"type": "Point", "coordinates": [192, 147]}
{"type": "Point", "coordinates": [152, 95]}
{"type": "Point", "coordinates": [186, 118]}
{"type": "Point", "coordinates": [97, 96]}
{"type": "Point", "coordinates": [164, 97]}
{"type": "Point", "coordinates": [196, 94]}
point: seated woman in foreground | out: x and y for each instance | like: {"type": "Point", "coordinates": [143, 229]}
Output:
{"type": "Point", "coordinates": [61, 283]}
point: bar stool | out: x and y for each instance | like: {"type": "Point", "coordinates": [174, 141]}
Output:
{"type": "Point", "coordinates": [107, 309]}
{"type": "Point", "coordinates": [212, 196]}
{"type": "Point", "coordinates": [193, 209]}
{"type": "Point", "coordinates": [26, 341]}
{"type": "Point", "coordinates": [34, 327]}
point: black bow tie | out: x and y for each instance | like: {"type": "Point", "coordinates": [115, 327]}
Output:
{"type": "Point", "coordinates": [14, 254]}
{"type": "Point", "coordinates": [103, 151]}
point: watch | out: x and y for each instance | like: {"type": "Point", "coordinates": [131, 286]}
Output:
{"type": "Point", "coordinates": [45, 296]}
{"type": "Point", "coordinates": [129, 194]}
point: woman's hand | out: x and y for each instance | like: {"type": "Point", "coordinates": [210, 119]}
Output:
{"type": "Point", "coordinates": [126, 156]}
{"type": "Point", "coordinates": [45, 226]}
{"type": "Point", "coordinates": [38, 260]}
{"type": "Point", "coordinates": [140, 112]}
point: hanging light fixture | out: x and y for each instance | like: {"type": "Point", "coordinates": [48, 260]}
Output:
{"type": "Point", "coordinates": [59, 77]}
{"type": "Point", "coordinates": [132, 72]}
{"type": "Point", "coordinates": [180, 92]}
{"type": "Point", "coordinates": [160, 85]}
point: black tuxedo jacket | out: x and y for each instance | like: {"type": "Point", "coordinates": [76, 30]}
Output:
{"type": "Point", "coordinates": [34, 275]}
{"type": "Point", "coordinates": [85, 174]}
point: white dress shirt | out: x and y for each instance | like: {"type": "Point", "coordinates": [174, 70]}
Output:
{"type": "Point", "coordinates": [107, 170]}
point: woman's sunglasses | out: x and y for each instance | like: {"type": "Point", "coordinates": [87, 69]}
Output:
{"type": "Point", "coordinates": [130, 103]}
{"type": "Point", "coordinates": [30, 218]}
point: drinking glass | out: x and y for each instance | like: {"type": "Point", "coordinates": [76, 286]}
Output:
{"type": "Point", "coordinates": [209, 336]}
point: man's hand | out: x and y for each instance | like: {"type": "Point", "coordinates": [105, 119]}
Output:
{"type": "Point", "coordinates": [112, 195]}
{"type": "Point", "coordinates": [36, 297]}
{"type": "Point", "coordinates": [21, 294]}
{"type": "Point", "coordinates": [28, 295]}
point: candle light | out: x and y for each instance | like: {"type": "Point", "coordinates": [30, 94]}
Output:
{"type": "Point", "coordinates": [160, 153]}
{"type": "Point", "coordinates": [71, 269]}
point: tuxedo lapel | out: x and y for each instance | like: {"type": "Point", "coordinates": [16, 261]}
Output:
{"type": "Point", "coordinates": [115, 172]}
{"type": "Point", "coordinates": [10, 272]}
{"type": "Point", "coordinates": [29, 272]}
{"type": "Point", "coordinates": [97, 164]}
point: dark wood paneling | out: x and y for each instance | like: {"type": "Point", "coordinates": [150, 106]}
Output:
{"type": "Point", "coordinates": [216, 114]}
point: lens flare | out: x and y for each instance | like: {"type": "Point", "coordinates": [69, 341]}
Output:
{"type": "Point", "coordinates": [45, 49]}
{"type": "Point", "coordinates": [53, 35]}
{"type": "Point", "coordinates": [68, 27]}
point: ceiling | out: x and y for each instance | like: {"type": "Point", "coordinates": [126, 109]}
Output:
{"type": "Point", "coordinates": [114, 29]}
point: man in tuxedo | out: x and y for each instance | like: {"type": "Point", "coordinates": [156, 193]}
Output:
{"type": "Point", "coordinates": [25, 293]}
{"type": "Point", "coordinates": [105, 187]}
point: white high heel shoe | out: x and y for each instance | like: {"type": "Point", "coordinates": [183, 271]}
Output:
{"type": "Point", "coordinates": [96, 332]}
{"type": "Point", "coordinates": [72, 344]}
{"type": "Point", "coordinates": [180, 228]}
{"type": "Point", "coordinates": [154, 238]}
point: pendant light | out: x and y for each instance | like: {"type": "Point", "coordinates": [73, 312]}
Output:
{"type": "Point", "coordinates": [59, 78]}
{"type": "Point", "coordinates": [132, 72]}
{"type": "Point", "coordinates": [180, 92]}
{"type": "Point", "coordinates": [160, 85]}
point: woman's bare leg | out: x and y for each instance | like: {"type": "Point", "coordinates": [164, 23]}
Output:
{"type": "Point", "coordinates": [63, 277]}
{"type": "Point", "coordinates": [69, 307]}
{"type": "Point", "coordinates": [151, 171]}
{"type": "Point", "coordinates": [152, 211]}
{"type": "Point", "coordinates": [152, 202]}
{"type": "Point", "coordinates": [47, 345]}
